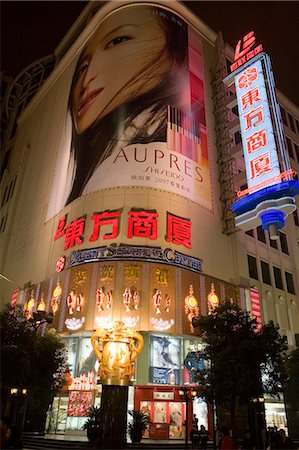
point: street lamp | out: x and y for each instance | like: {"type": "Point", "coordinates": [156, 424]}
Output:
{"type": "Point", "coordinates": [39, 318]}
{"type": "Point", "coordinates": [186, 395]}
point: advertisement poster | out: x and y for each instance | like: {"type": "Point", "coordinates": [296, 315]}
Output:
{"type": "Point", "coordinates": [136, 107]}
{"type": "Point", "coordinates": [79, 403]}
{"type": "Point", "coordinates": [165, 360]}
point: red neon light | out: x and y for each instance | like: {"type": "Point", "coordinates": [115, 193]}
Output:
{"type": "Point", "coordinates": [256, 308]}
{"type": "Point", "coordinates": [178, 230]}
{"type": "Point", "coordinates": [245, 51]}
{"type": "Point", "coordinates": [248, 42]}
{"type": "Point", "coordinates": [256, 141]}
{"type": "Point", "coordinates": [105, 218]}
{"type": "Point", "coordinates": [251, 97]}
{"type": "Point", "coordinates": [287, 175]}
{"type": "Point", "coordinates": [74, 232]}
{"type": "Point", "coordinates": [143, 224]}
{"type": "Point", "coordinates": [260, 165]}
{"type": "Point", "coordinates": [257, 114]}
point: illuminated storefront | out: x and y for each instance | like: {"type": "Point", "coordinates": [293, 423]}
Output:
{"type": "Point", "coordinates": [117, 213]}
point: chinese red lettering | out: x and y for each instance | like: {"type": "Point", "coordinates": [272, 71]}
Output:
{"type": "Point", "coordinates": [105, 218]}
{"type": "Point", "coordinates": [142, 224]}
{"type": "Point", "coordinates": [178, 230]}
{"type": "Point", "coordinates": [254, 117]}
{"type": "Point", "coordinates": [256, 141]}
{"type": "Point", "coordinates": [251, 97]}
{"type": "Point", "coordinates": [260, 165]}
{"type": "Point", "coordinates": [60, 228]}
{"type": "Point", "coordinates": [74, 232]}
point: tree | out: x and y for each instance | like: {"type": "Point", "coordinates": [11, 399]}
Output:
{"type": "Point", "coordinates": [33, 361]}
{"type": "Point", "coordinates": [292, 392]}
{"type": "Point", "coordinates": [242, 361]}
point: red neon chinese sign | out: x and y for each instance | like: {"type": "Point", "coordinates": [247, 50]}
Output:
{"type": "Point", "coordinates": [140, 223]}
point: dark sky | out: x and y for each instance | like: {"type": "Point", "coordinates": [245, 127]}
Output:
{"type": "Point", "coordinates": [32, 29]}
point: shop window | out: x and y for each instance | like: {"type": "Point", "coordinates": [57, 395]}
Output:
{"type": "Point", "coordinates": [265, 272]}
{"type": "Point", "coordinates": [261, 234]}
{"type": "Point", "coordinates": [249, 233]}
{"type": "Point", "coordinates": [283, 115]}
{"type": "Point", "coordinates": [278, 277]}
{"type": "Point", "coordinates": [290, 148]}
{"type": "Point", "coordinates": [252, 266]}
{"type": "Point", "coordinates": [291, 121]}
{"type": "Point", "coordinates": [290, 283]}
{"type": "Point", "coordinates": [283, 243]}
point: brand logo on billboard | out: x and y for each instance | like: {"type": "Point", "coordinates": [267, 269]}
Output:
{"type": "Point", "coordinates": [245, 50]}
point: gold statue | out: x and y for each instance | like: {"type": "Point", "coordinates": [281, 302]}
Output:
{"type": "Point", "coordinates": [116, 350]}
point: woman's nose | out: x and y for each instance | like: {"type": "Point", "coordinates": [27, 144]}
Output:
{"type": "Point", "coordinates": [89, 75]}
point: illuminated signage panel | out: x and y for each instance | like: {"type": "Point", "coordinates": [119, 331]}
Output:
{"type": "Point", "coordinates": [256, 307]}
{"type": "Point", "coordinates": [260, 152]}
{"type": "Point", "coordinates": [141, 120]}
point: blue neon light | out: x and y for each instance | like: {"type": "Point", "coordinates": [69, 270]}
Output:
{"type": "Point", "coordinates": [288, 188]}
{"type": "Point", "coordinates": [273, 217]}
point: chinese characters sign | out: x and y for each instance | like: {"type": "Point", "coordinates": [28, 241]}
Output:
{"type": "Point", "coordinates": [140, 223]}
{"type": "Point", "coordinates": [260, 152]}
{"type": "Point", "coordinates": [256, 307]}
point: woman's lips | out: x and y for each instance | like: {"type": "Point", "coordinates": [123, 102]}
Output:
{"type": "Point", "coordinates": [88, 100]}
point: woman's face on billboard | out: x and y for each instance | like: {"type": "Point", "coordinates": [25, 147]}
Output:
{"type": "Point", "coordinates": [110, 69]}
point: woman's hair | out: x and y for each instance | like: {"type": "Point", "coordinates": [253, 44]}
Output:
{"type": "Point", "coordinates": [93, 146]}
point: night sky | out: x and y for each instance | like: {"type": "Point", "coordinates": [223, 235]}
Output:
{"type": "Point", "coordinates": [32, 29]}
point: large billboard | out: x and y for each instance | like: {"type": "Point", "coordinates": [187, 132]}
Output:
{"type": "Point", "coordinates": [135, 114]}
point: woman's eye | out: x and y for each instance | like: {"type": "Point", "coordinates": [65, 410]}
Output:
{"type": "Point", "coordinates": [116, 41]}
{"type": "Point", "coordinates": [81, 69]}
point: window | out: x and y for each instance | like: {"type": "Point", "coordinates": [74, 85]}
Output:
{"type": "Point", "coordinates": [296, 220]}
{"type": "Point", "coordinates": [235, 111]}
{"type": "Point", "coordinates": [297, 123]}
{"type": "Point", "coordinates": [278, 277]}
{"type": "Point", "coordinates": [261, 234]}
{"type": "Point", "coordinates": [249, 232]}
{"type": "Point", "coordinates": [283, 115]}
{"type": "Point", "coordinates": [238, 137]}
{"type": "Point", "coordinates": [265, 272]}
{"type": "Point", "coordinates": [292, 124]}
{"type": "Point", "coordinates": [283, 243]}
{"type": "Point", "coordinates": [273, 243]}
{"type": "Point", "coordinates": [290, 148]}
{"type": "Point", "coordinates": [252, 267]}
{"type": "Point", "coordinates": [296, 147]}
{"type": "Point", "coordinates": [290, 283]}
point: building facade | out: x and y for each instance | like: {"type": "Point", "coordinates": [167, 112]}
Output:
{"type": "Point", "coordinates": [117, 190]}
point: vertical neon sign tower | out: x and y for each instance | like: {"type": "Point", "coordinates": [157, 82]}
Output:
{"type": "Point", "coordinates": [269, 197]}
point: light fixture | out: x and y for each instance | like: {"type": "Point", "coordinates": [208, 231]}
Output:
{"type": "Point", "coordinates": [24, 391]}
{"type": "Point", "coordinates": [14, 391]}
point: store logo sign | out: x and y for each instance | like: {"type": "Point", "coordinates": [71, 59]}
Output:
{"type": "Point", "coordinates": [245, 50]}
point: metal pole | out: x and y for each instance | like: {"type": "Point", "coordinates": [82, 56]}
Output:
{"type": "Point", "coordinates": [187, 418]}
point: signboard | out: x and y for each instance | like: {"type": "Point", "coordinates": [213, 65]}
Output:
{"type": "Point", "coordinates": [141, 118]}
{"type": "Point", "coordinates": [165, 360]}
{"type": "Point", "coordinates": [260, 152]}
{"type": "Point", "coordinates": [79, 403]}
{"type": "Point", "coordinates": [256, 307]}
{"type": "Point", "coordinates": [137, 253]}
